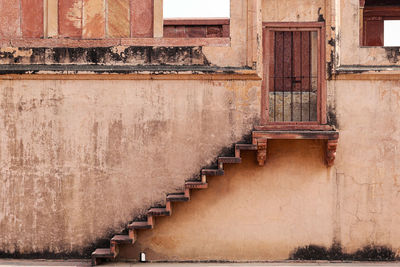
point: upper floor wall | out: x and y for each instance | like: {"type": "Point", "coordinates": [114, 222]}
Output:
{"type": "Point", "coordinates": [131, 34]}
{"type": "Point", "coordinates": [124, 32]}
{"type": "Point", "coordinates": [351, 54]}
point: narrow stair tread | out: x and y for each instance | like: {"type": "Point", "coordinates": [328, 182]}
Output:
{"type": "Point", "coordinates": [177, 197]}
{"type": "Point", "coordinates": [195, 184]}
{"type": "Point", "coordinates": [230, 159]}
{"type": "Point", "coordinates": [212, 172]}
{"type": "Point", "coordinates": [246, 146]}
{"type": "Point", "coordinates": [158, 211]}
{"type": "Point", "coordinates": [140, 225]}
{"type": "Point", "coordinates": [176, 194]}
{"type": "Point", "coordinates": [122, 239]}
{"type": "Point", "coordinates": [103, 253]}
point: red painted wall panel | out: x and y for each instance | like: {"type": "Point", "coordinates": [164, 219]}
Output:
{"type": "Point", "coordinates": [142, 18]}
{"type": "Point", "coordinates": [70, 18]}
{"type": "Point", "coordinates": [32, 18]}
{"type": "Point", "coordinates": [10, 19]}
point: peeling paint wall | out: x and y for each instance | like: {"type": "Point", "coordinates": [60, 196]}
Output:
{"type": "Point", "coordinates": [367, 164]}
{"type": "Point", "coordinates": [80, 159]}
{"type": "Point", "coordinates": [266, 213]}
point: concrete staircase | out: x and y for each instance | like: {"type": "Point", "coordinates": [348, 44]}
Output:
{"type": "Point", "coordinates": [259, 143]}
{"type": "Point", "coordinates": [111, 253]}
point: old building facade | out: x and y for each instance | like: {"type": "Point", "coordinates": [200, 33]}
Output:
{"type": "Point", "coordinates": [279, 124]}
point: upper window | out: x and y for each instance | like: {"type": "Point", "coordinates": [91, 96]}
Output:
{"type": "Point", "coordinates": [196, 18]}
{"type": "Point", "coordinates": [196, 8]}
{"type": "Point", "coordinates": [380, 22]}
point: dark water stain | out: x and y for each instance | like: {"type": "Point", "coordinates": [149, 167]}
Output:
{"type": "Point", "coordinates": [106, 55]}
{"type": "Point", "coordinates": [114, 143]}
{"type": "Point", "coordinates": [335, 253]}
{"type": "Point", "coordinates": [392, 54]}
{"type": "Point", "coordinates": [332, 118]}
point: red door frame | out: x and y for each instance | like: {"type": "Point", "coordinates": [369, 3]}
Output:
{"type": "Point", "coordinates": [268, 65]}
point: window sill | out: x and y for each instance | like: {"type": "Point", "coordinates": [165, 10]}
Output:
{"type": "Point", "coordinates": [310, 126]}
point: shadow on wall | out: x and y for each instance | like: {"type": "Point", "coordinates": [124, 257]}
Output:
{"type": "Point", "coordinates": [335, 253]}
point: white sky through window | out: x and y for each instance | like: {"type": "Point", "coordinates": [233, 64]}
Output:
{"type": "Point", "coordinates": [196, 8]}
{"type": "Point", "coordinates": [391, 33]}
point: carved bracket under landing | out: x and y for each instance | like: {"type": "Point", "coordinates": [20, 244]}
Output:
{"type": "Point", "coordinates": [262, 151]}
{"type": "Point", "coordinates": [330, 152]}
{"type": "Point", "coordinates": [260, 138]}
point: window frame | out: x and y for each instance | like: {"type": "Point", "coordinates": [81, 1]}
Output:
{"type": "Point", "coordinates": [268, 55]}
{"type": "Point", "coordinates": [378, 14]}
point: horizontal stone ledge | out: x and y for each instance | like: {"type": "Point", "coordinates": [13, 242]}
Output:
{"type": "Point", "coordinates": [95, 72]}
{"type": "Point", "coordinates": [358, 69]}
{"type": "Point", "coordinates": [31, 68]}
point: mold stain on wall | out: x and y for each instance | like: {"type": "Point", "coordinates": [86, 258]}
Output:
{"type": "Point", "coordinates": [134, 55]}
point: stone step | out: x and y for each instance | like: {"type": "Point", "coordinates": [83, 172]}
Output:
{"type": "Point", "coordinates": [212, 172]}
{"type": "Point", "coordinates": [229, 160]}
{"type": "Point", "coordinates": [246, 146]}
{"type": "Point", "coordinates": [178, 197]}
{"type": "Point", "coordinates": [196, 185]}
{"type": "Point", "coordinates": [140, 225]}
{"type": "Point", "coordinates": [158, 212]}
{"type": "Point", "coordinates": [122, 239]}
{"type": "Point", "coordinates": [101, 254]}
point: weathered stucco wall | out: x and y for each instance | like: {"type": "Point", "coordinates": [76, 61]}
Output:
{"type": "Point", "coordinates": [80, 159]}
{"type": "Point", "coordinates": [266, 213]}
{"type": "Point", "coordinates": [292, 10]}
{"type": "Point", "coordinates": [252, 212]}
{"type": "Point", "coordinates": [367, 164]}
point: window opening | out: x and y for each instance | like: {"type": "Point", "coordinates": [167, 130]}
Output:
{"type": "Point", "coordinates": [196, 9]}
{"type": "Point", "coordinates": [196, 18]}
{"type": "Point", "coordinates": [376, 22]}
{"type": "Point", "coordinates": [391, 33]}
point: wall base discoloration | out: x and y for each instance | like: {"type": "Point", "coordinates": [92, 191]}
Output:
{"type": "Point", "coordinates": [335, 253]}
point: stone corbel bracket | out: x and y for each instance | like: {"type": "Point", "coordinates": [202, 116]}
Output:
{"type": "Point", "coordinates": [262, 151]}
{"type": "Point", "coordinates": [330, 152]}
{"type": "Point", "coordinates": [260, 138]}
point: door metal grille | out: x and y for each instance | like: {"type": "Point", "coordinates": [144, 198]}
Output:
{"type": "Point", "coordinates": [293, 81]}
